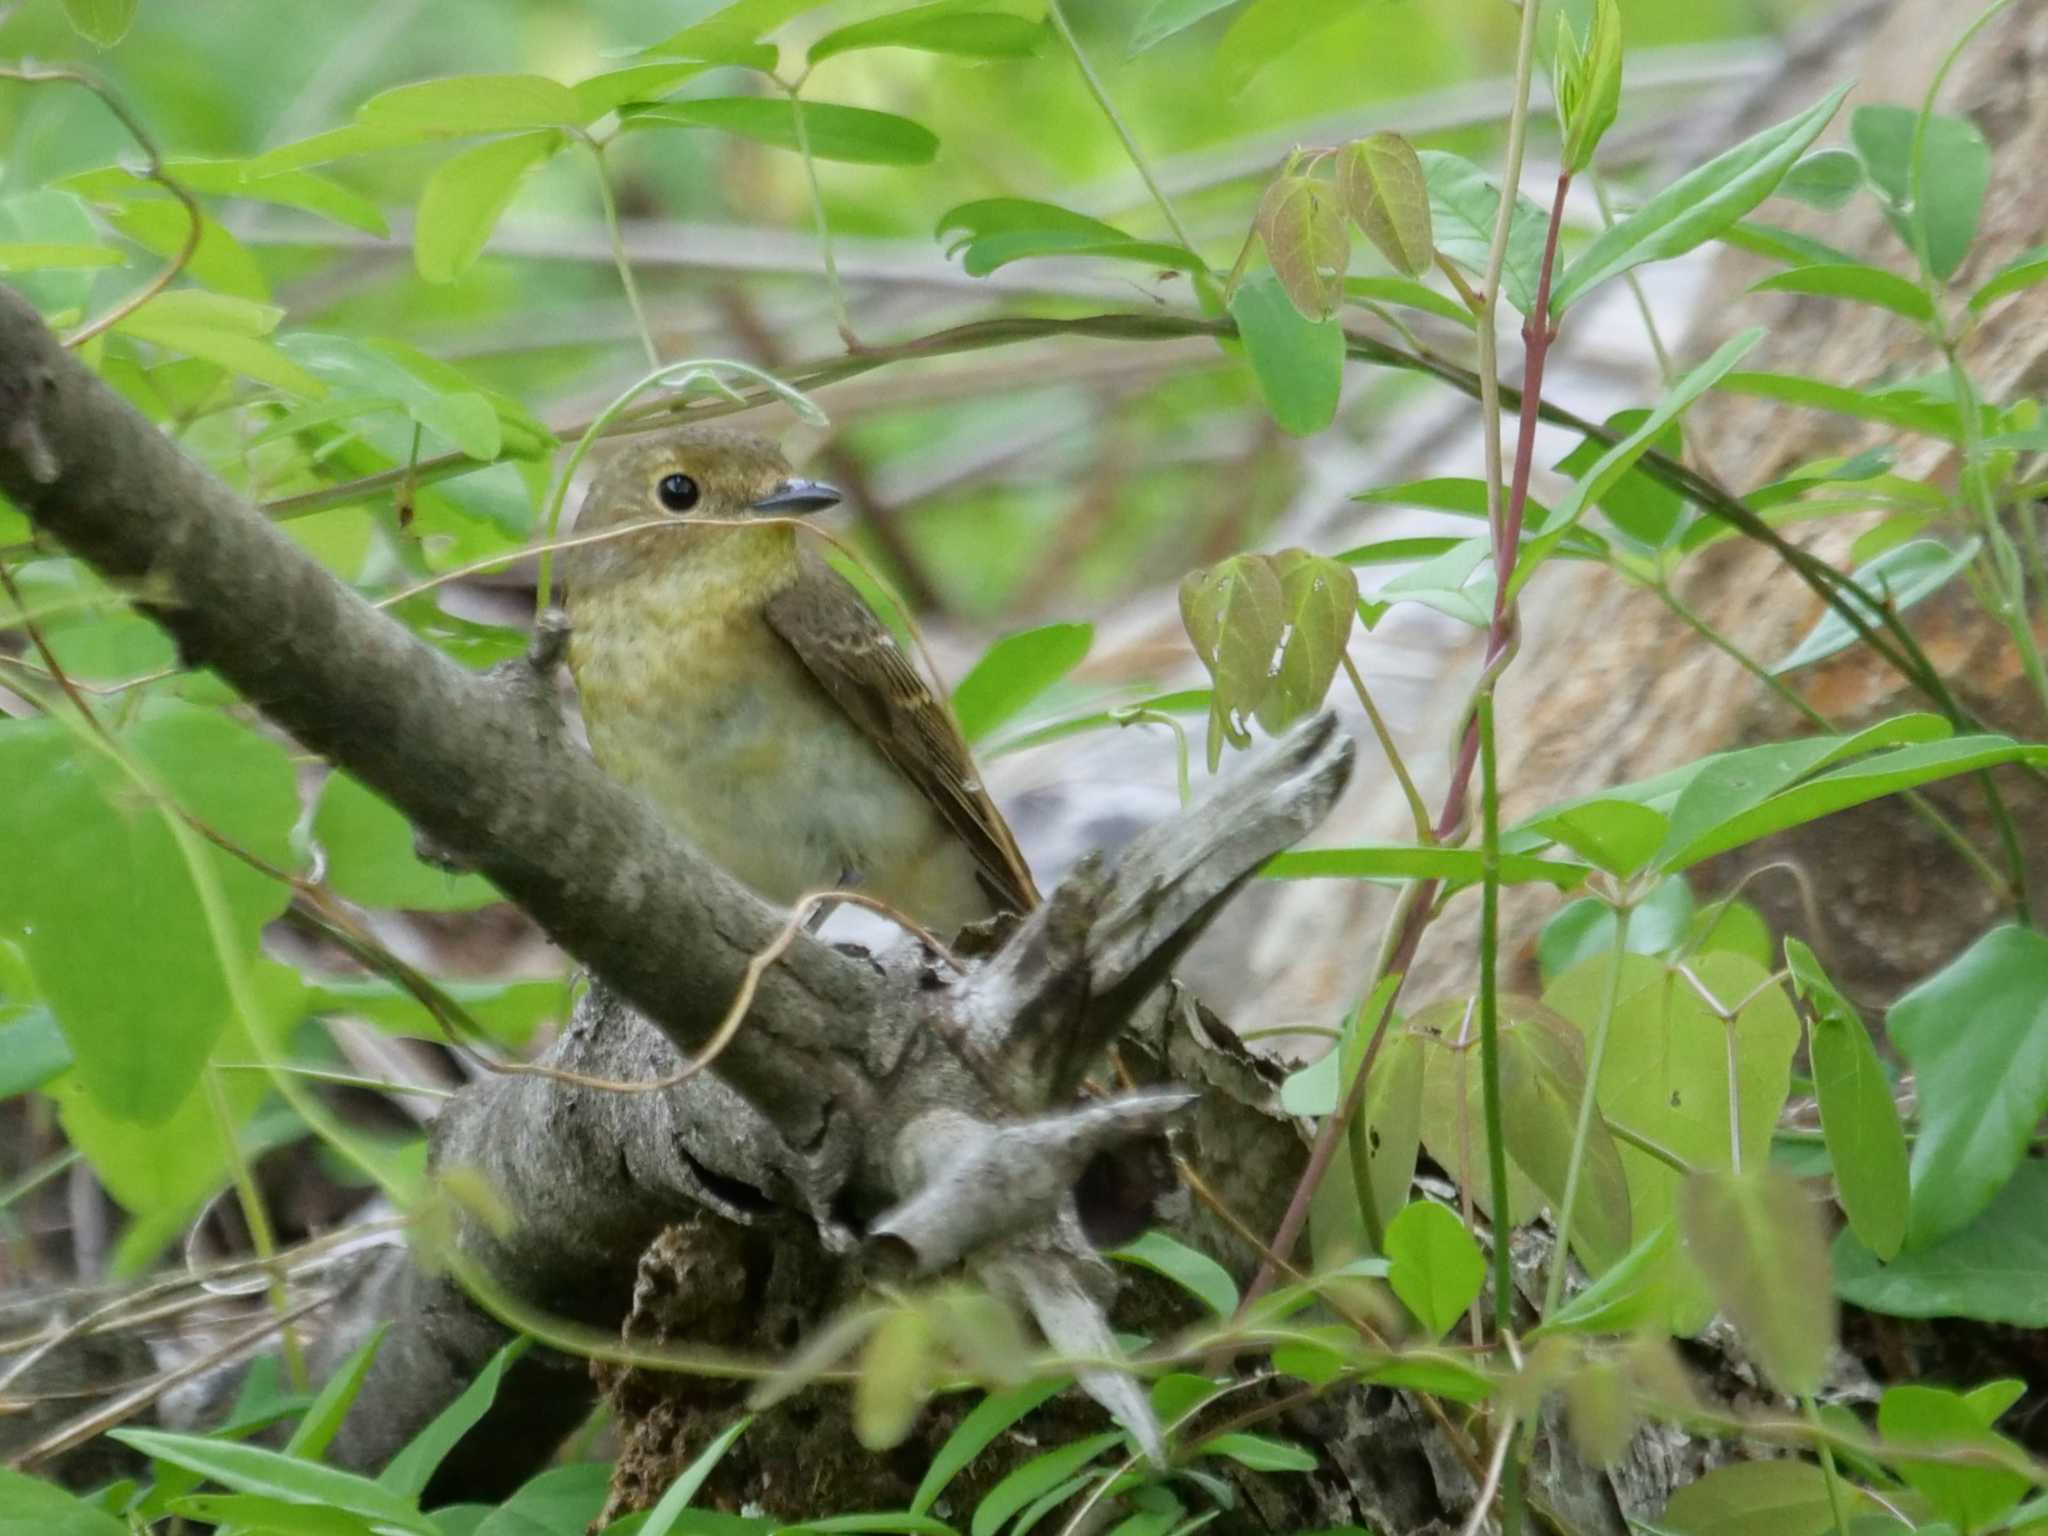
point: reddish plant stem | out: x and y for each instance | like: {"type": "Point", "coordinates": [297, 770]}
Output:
{"type": "Point", "coordinates": [1538, 332]}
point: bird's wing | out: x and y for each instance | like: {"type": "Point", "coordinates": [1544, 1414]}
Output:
{"type": "Point", "coordinates": [853, 657]}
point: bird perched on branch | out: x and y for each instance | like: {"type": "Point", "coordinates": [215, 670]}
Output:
{"type": "Point", "coordinates": [744, 686]}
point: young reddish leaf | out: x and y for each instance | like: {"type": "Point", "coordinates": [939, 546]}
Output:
{"type": "Point", "coordinates": [1319, 598]}
{"type": "Point", "coordinates": [1306, 241]}
{"type": "Point", "coordinates": [1757, 1238]}
{"type": "Point", "coordinates": [1387, 196]}
{"type": "Point", "coordinates": [1235, 615]}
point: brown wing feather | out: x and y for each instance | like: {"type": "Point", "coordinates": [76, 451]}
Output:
{"type": "Point", "coordinates": [846, 648]}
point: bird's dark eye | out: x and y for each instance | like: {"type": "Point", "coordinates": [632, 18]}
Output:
{"type": "Point", "coordinates": [678, 493]}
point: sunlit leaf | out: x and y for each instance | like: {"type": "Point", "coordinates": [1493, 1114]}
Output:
{"type": "Point", "coordinates": [1437, 1270]}
{"type": "Point", "coordinates": [466, 104]}
{"type": "Point", "coordinates": [467, 195]}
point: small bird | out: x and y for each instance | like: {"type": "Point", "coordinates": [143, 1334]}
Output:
{"type": "Point", "coordinates": [743, 685]}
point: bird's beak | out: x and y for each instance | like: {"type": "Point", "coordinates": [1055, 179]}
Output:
{"type": "Point", "coordinates": [799, 496]}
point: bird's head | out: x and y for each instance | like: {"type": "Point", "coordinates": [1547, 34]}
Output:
{"type": "Point", "coordinates": [684, 483]}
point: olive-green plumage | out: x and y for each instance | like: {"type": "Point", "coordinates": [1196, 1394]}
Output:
{"type": "Point", "coordinates": [743, 686]}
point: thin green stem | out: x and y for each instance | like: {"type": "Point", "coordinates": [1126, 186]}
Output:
{"type": "Point", "coordinates": [1489, 1015]}
{"type": "Point", "coordinates": [1836, 1507]}
{"type": "Point", "coordinates": [1416, 809]}
{"type": "Point", "coordinates": [1635, 285]}
{"type": "Point", "coordinates": [1922, 807]}
{"type": "Point", "coordinates": [1582, 1129]}
{"type": "Point", "coordinates": [618, 241]}
{"type": "Point", "coordinates": [262, 1236]}
{"type": "Point", "coordinates": [840, 312]}
{"type": "Point", "coordinates": [1058, 16]}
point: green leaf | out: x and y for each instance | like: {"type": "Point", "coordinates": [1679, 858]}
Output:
{"type": "Point", "coordinates": [1608, 469]}
{"type": "Point", "coordinates": [1406, 291]}
{"type": "Point", "coordinates": [1261, 1453]}
{"type": "Point", "coordinates": [668, 1512]}
{"type": "Point", "coordinates": [1665, 1077]}
{"type": "Point", "coordinates": [1036, 1477]}
{"type": "Point", "coordinates": [882, 1521]}
{"type": "Point", "coordinates": [1991, 1401]}
{"type": "Point", "coordinates": [1900, 577]}
{"type": "Point", "coordinates": [636, 82]}
{"type": "Point", "coordinates": [1696, 207]}
{"type": "Point", "coordinates": [1267, 29]}
{"type": "Point", "coordinates": [1437, 1270]}
{"type": "Point", "coordinates": [31, 1507]}
{"type": "Point", "coordinates": [408, 1473]}
{"type": "Point", "coordinates": [467, 195]}
{"type": "Point", "coordinates": [1995, 1269]}
{"type": "Point", "coordinates": [1588, 86]}
{"type": "Point", "coordinates": [1643, 510]}
{"type": "Point", "coordinates": [937, 29]}
{"type": "Point", "coordinates": [273, 1517]}
{"type": "Point", "coordinates": [1399, 551]}
{"type": "Point", "coordinates": [1463, 204]}
{"type": "Point", "coordinates": [1015, 215]}
{"type": "Point", "coordinates": [252, 1469]}
{"type": "Point", "coordinates": [1955, 170]}
{"type": "Point", "coordinates": [1542, 1082]}
{"type": "Point", "coordinates": [1298, 363]}
{"type": "Point", "coordinates": [317, 1429]}
{"type": "Point", "coordinates": [220, 329]}
{"type": "Point", "coordinates": [561, 1499]}
{"type": "Point", "coordinates": [1458, 494]}
{"type": "Point", "coordinates": [1886, 774]}
{"type": "Point", "coordinates": [102, 23]}
{"type": "Point", "coordinates": [852, 134]}
{"type": "Point", "coordinates": [1618, 836]}
{"type": "Point", "coordinates": [1757, 1238]}
{"type": "Point", "coordinates": [985, 255]}
{"type": "Point", "coordinates": [1976, 1033]}
{"type": "Point", "coordinates": [1866, 1144]}
{"type": "Point", "coordinates": [1016, 670]}
{"type": "Point", "coordinates": [728, 34]}
{"type": "Point", "coordinates": [34, 255]}
{"type": "Point", "coordinates": [1630, 1293]}
{"type": "Point", "coordinates": [1458, 582]}
{"type": "Point", "coordinates": [467, 104]}
{"type": "Point", "coordinates": [90, 870]}
{"type": "Point", "coordinates": [1776, 244]}
{"type": "Point", "coordinates": [1408, 861]}
{"type": "Point", "coordinates": [1752, 1498]}
{"type": "Point", "coordinates": [433, 394]}
{"type": "Point", "coordinates": [1825, 179]}
{"type": "Point", "coordinates": [1852, 280]}
{"type": "Point", "coordinates": [1306, 242]}
{"type": "Point", "coordinates": [1387, 195]}
{"type": "Point", "coordinates": [1165, 18]}
{"type": "Point", "coordinates": [975, 1433]}
{"type": "Point", "coordinates": [370, 858]}
{"type": "Point", "coordinates": [1970, 1496]}
{"type": "Point", "coordinates": [236, 178]}
{"type": "Point", "coordinates": [1893, 407]}
{"type": "Point", "coordinates": [1196, 1273]}
{"type": "Point", "coordinates": [32, 1051]}
{"type": "Point", "coordinates": [2020, 272]}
